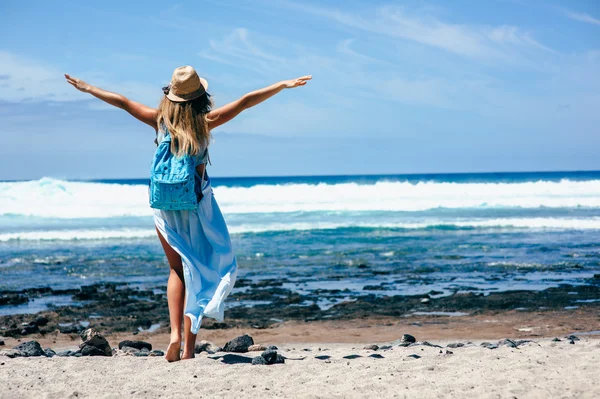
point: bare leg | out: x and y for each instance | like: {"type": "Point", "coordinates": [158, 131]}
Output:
{"type": "Point", "coordinates": [189, 345]}
{"type": "Point", "coordinates": [175, 299]}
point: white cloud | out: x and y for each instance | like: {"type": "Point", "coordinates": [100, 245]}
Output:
{"type": "Point", "coordinates": [345, 48]}
{"type": "Point", "coordinates": [583, 17]}
{"type": "Point", "coordinates": [236, 49]}
{"type": "Point", "coordinates": [353, 75]}
{"type": "Point", "coordinates": [27, 79]}
{"type": "Point", "coordinates": [511, 35]}
{"type": "Point", "coordinates": [466, 40]}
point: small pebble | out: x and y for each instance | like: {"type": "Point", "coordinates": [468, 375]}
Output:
{"type": "Point", "coordinates": [406, 340]}
{"type": "Point", "coordinates": [257, 348]}
{"type": "Point", "coordinates": [507, 342]}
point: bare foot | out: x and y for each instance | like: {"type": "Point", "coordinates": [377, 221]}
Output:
{"type": "Point", "coordinates": [186, 356]}
{"type": "Point", "coordinates": [173, 352]}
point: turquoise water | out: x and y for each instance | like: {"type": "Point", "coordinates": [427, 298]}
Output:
{"type": "Point", "coordinates": [391, 234]}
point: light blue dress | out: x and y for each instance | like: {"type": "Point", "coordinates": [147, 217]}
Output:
{"type": "Point", "coordinates": [202, 240]}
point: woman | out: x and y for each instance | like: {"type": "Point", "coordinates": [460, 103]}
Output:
{"type": "Point", "coordinates": [196, 242]}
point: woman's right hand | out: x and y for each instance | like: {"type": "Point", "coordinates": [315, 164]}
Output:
{"type": "Point", "coordinates": [289, 84]}
{"type": "Point", "coordinates": [78, 83]}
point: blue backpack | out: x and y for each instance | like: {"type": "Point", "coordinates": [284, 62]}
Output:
{"type": "Point", "coordinates": [173, 180]}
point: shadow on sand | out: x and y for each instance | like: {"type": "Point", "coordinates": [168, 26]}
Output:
{"type": "Point", "coordinates": [232, 359]}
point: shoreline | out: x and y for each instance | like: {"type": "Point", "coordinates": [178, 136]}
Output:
{"type": "Point", "coordinates": [487, 326]}
{"type": "Point", "coordinates": [125, 310]}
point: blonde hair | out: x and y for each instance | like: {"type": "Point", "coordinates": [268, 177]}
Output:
{"type": "Point", "coordinates": [187, 123]}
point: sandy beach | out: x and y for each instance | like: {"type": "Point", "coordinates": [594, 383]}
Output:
{"type": "Point", "coordinates": [329, 359]}
{"type": "Point", "coordinates": [541, 369]}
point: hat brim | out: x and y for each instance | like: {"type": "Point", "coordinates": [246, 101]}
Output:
{"type": "Point", "coordinates": [181, 98]}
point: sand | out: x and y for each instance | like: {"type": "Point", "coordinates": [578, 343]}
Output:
{"type": "Point", "coordinates": [545, 369]}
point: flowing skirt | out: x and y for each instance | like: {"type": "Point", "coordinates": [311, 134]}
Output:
{"type": "Point", "coordinates": [202, 240]}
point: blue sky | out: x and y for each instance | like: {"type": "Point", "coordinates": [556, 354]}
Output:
{"type": "Point", "coordinates": [398, 87]}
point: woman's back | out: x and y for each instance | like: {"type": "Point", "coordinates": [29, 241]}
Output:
{"type": "Point", "coordinates": [202, 156]}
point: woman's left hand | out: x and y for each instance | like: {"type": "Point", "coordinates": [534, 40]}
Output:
{"type": "Point", "coordinates": [288, 84]}
{"type": "Point", "coordinates": [78, 83]}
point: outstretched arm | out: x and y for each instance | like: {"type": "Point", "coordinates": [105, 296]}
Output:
{"type": "Point", "coordinates": [227, 112]}
{"type": "Point", "coordinates": [139, 111]}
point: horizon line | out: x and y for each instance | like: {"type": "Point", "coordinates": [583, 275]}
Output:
{"type": "Point", "coordinates": [325, 175]}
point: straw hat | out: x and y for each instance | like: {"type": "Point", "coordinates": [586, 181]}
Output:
{"type": "Point", "coordinates": [185, 85]}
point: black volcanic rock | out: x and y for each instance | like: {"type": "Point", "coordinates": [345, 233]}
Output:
{"type": "Point", "coordinates": [30, 348]}
{"type": "Point", "coordinates": [406, 340]}
{"type": "Point", "coordinates": [259, 360]}
{"type": "Point", "coordinates": [40, 321]}
{"type": "Point", "coordinates": [89, 350]}
{"type": "Point", "coordinates": [239, 344]}
{"type": "Point", "coordinates": [93, 339]}
{"type": "Point", "coordinates": [269, 356]}
{"type": "Point", "coordinates": [507, 342]}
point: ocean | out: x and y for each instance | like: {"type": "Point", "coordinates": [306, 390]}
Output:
{"type": "Point", "coordinates": [384, 235]}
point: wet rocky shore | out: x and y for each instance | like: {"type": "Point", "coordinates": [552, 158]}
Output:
{"type": "Point", "coordinates": [121, 308]}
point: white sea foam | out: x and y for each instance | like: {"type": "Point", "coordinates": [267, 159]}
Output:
{"type": "Point", "coordinates": [524, 223]}
{"type": "Point", "coordinates": [65, 235]}
{"type": "Point", "coordinates": [63, 199]}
